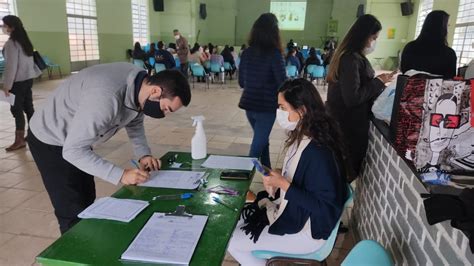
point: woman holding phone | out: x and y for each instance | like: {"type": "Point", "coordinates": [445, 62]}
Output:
{"type": "Point", "coordinates": [311, 190]}
{"type": "Point", "coordinates": [353, 87]}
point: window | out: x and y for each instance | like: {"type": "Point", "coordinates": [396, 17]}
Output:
{"type": "Point", "coordinates": [7, 7]}
{"type": "Point", "coordinates": [425, 8]}
{"type": "Point", "coordinates": [140, 21]}
{"type": "Point", "coordinates": [463, 42]}
{"type": "Point", "coordinates": [82, 26]}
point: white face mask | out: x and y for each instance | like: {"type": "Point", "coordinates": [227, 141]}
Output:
{"type": "Point", "coordinates": [371, 48]}
{"type": "Point", "coordinates": [283, 120]}
{"type": "Point", "coordinates": [207, 50]}
{"type": "Point", "coordinates": [176, 37]}
{"type": "Point", "coordinates": [200, 49]}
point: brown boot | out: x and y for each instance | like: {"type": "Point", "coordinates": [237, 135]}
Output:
{"type": "Point", "coordinates": [19, 141]}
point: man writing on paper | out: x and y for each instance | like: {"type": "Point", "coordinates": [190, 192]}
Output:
{"type": "Point", "coordinates": [87, 109]}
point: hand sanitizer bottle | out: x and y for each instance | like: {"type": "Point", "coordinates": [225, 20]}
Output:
{"type": "Point", "coordinates": [199, 141]}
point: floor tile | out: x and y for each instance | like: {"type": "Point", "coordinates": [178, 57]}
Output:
{"type": "Point", "coordinates": [18, 222]}
{"type": "Point", "coordinates": [29, 246]}
{"type": "Point", "coordinates": [13, 197]}
{"type": "Point", "coordinates": [40, 202]}
{"type": "Point", "coordinates": [9, 179]}
{"type": "Point", "coordinates": [33, 184]}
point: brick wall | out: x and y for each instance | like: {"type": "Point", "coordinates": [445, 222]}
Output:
{"type": "Point", "coordinates": [388, 209]}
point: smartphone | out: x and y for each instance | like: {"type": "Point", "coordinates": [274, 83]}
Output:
{"type": "Point", "coordinates": [261, 168]}
{"type": "Point", "coordinates": [235, 175]}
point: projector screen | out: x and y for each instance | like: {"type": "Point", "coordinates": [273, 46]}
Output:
{"type": "Point", "coordinates": [291, 14]}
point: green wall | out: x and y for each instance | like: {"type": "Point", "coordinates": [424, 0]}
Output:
{"type": "Point", "coordinates": [45, 22]}
{"type": "Point", "coordinates": [345, 13]}
{"type": "Point", "coordinates": [318, 13]}
{"type": "Point", "coordinates": [114, 26]}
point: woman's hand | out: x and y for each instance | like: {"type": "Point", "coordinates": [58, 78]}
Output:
{"type": "Point", "coordinates": [385, 77]}
{"type": "Point", "coordinates": [276, 180]}
{"type": "Point", "coordinates": [6, 91]}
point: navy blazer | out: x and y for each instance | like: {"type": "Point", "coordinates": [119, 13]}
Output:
{"type": "Point", "coordinates": [318, 191]}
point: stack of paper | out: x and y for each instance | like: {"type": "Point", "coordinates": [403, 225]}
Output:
{"type": "Point", "coordinates": [10, 99]}
{"type": "Point", "coordinates": [229, 162]}
{"type": "Point", "coordinates": [174, 179]}
{"type": "Point", "coordinates": [109, 208]}
{"type": "Point", "coordinates": [167, 239]}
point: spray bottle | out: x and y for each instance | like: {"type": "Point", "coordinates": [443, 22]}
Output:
{"type": "Point", "coordinates": [199, 141]}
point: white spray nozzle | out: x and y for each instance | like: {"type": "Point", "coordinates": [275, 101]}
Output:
{"type": "Point", "coordinates": [196, 119]}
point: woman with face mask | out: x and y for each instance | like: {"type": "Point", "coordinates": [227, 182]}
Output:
{"type": "Point", "coordinates": [302, 204]}
{"type": "Point", "coordinates": [20, 70]}
{"type": "Point", "coordinates": [353, 87]}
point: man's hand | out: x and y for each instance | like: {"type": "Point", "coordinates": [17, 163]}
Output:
{"type": "Point", "coordinates": [134, 176]}
{"type": "Point", "coordinates": [149, 163]}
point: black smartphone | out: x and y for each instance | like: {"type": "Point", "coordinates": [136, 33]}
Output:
{"type": "Point", "coordinates": [235, 175]}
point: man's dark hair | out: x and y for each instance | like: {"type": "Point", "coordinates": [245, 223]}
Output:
{"type": "Point", "coordinates": [175, 30]}
{"type": "Point", "coordinates": [161, 45]}
{"type": "Point", "coordinates": [173, 83]}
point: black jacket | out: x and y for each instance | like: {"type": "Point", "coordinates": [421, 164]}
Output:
{"type": "Point", "coordinates": [350, 101]}
{"type": "Point", "coordinates": [428, 58]}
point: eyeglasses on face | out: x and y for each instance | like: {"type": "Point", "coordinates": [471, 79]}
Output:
{"type": "Point", "coordinates": [450, 121]}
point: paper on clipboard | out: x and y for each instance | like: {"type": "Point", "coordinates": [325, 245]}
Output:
{"type": "Point", "coordinates": [9, 99]}
{"type": "Point", "coordinates": [174, 179]}
{"type": "Point", "coordinates": [167, 239]}
{"type": "Point", "coordinates": [229, 162]}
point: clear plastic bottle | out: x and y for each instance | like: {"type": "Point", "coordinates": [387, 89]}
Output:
{"type": "Point", "coordinates": [199, 141]}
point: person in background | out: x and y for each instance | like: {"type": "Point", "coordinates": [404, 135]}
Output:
{"type": "Point", "coordinates": [162, 56]}
{"type": "Point", "coordinates": [261, 73]}
{"type": "Point", "coordinates": [211, 48]}
{"type": "Point", "coordinates": [206, 55]}
{"type": "Point", "coordinates": [182, 49]}
{"type": "Point", "coordinates": [196, 58]}
{"type": "Point", "coordinates": [233, 53]}
{"type": "Point", "coordinates": [242, 49]}
{"type": "Point", "coordinates": [140, 54]}
{"type": "Point", "coordinates": [152, 51]}
{"type": "Point", "coordinates": [327, 55]}
{"type": "Point", "coordinates": [292, 60]}
{"type": "Point", "coordinates": [88, 109]}
{"type": "Point", "coordinates": [20, 70]}
{"type": "Point", "coordinates": [312, 59]}
{"type": "Point", "coordinates": [216, 58]}
{"type": "Point", "coordinates": [308, 196]}
{"type": "Point", "coordinates": [300, 57]}
{"type": "Point", "coordinates": [353, 87]}
{"type": "Point", "coordinates": [290, 44]}
{"type": "Point", "coordinates": [430, 51]}
{"type": "Point", "coordinates": [171, 48]}
{"type": "Point", "coordinates": [229, 58]}
{"type": "Point", "coordinates": [195, 54]}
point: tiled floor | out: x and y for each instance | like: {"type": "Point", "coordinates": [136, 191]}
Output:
{"type": "Point", "coordinates": [27, 222]}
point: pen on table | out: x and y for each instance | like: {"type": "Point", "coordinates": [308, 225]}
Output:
{"type": "Point", "coordinates": [174, 196]}
{"type": "Point", "coordinates": [216, 199]}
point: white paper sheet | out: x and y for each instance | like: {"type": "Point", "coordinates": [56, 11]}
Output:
{"type": "Point", "coordinates": [109, 208]}
{"type": "Point", "coordinates": [174, 179]}
{"type": "Point", "coordinates": [229, 162]}
{"type": "Point", "coordinates": [167, 239]}
{"type": "Point", "coordinates": [10, 99]}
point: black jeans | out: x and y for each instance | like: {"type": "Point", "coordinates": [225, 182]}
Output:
{"type": "Point", "coordinates": [184, 69]}
{"type": "Point", "coordinates": [23, 102]}
{"type": "Point", "coordinates": [70, 189]}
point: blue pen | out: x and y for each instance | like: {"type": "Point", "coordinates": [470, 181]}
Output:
{"type": "Point", "coordinates": [135, 163]}
{"type": "Point", "coordinates": [173, 197]}
{"type": "Point", "coordinates": [218, 200]}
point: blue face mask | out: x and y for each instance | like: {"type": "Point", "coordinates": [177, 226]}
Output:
{"type": "Point", "coordinates": [153, 109]}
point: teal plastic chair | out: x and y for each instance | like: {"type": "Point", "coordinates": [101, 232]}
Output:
{"type": "Point", "coordinates": [207, 65]}
{"type": "Point", "coordinates": [159, 67]}
{"type": "Point", "coordinates": [151, 61]}
{"type": "Point", "coordinates": [139, 63]}
{"type": "Point", "coordinates": [315, 72]}
{"type": "Point", "coordinates": [198, 71]}
{"type": "Point", "coordinates": [217, 69]}
{"type": "Point", "coordinates": [228, 69]}
{"type": "Point", "coordinates": [291, 71]}
{"type": "Point", "coordinates": [51, 67]}
{"type": "Point", "coordinates": [177, 62]}
{"type": "Point", "coordinates": [368, 253]}
{"type": "Point", "coordinates": [320, 254]}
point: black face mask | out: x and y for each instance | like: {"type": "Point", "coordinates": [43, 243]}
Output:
{"type": "Point", "coordinates": [153, 109]}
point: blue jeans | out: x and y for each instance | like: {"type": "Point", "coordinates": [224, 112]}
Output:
{"type": "Point", "coordinates": [262, 123]}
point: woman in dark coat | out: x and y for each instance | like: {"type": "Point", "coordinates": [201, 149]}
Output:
{"type": "Point", "coordinates": [353, 87]}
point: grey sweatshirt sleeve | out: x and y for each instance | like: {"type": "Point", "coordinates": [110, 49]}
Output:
{"type": "Point", "coordinates": [93, 117]}
{"type": "Point", "coordinates": [136, 133]}
{"type": "Point", "coordinates": [11, 53]}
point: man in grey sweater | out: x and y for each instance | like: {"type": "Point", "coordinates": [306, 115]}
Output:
{"type": "Point", "coordinates": [87, 109]}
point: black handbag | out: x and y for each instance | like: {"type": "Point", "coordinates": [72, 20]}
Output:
{"type": "Point", "coordinates": [39, 60]}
